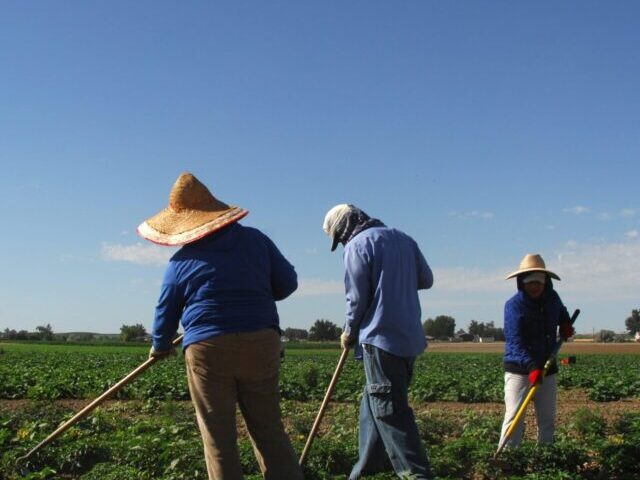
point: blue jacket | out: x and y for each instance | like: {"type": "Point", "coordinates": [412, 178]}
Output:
{"type": "Point", "coordinates": [530, 329]}
{"type": "Point", "coordinates": [384, 269]}
{"type": "Point", "coordinates": [226, 282]}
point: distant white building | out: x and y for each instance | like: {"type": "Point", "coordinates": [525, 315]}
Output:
{"type": "Point", "coordinates": [638, 336]}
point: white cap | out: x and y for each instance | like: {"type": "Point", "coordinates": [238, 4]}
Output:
{"type": "Point", "coordinates": [539, 277]}
{"type": "Point", "coordinates": [333, 220]}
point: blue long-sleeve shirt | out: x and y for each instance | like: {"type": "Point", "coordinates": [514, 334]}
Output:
{"type": "Point", "coordinates": [384, 269]}
{"type": "Point", "coordinates": [530, 330]}
{"type": "Point", "coordinates": [226, 282]}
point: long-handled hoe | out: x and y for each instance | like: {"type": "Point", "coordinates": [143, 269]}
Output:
{"type": "Point", "coordinates": [532, 391]}
{"type": "Point", "coordinates": [94, 404]}
{"type": "Point", "coordinates": [323, 406]}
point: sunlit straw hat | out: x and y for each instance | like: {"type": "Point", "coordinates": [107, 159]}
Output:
{"type": "Point", "coordinates": [532, 262]}
{"type": "Point", "coordinates": [192, 213]}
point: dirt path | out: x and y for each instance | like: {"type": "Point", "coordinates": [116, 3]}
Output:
{"type": "Point", "coordinates": [568, 403]}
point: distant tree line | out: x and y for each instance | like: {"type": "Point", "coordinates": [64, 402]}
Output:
{"type": "Point", "coordinates": [442, 327]}
{"type": "Point", "coordinates": [322, 330]}
{"type": "Point", "coordinates": [45, 333]}
{"type": "Point", "coordinates": [42, 333]}
{"type": "Point", "coordinates": [488, 329]}
{"type": "Point", "coordinates": [130, 333]}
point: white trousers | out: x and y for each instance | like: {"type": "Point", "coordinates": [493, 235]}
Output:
{"type": "Point", "coordinates": [516, 387]}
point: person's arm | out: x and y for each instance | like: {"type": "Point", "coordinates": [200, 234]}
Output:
{"type": "Point", "coordinates": [168, 312]}
{"type": "Point", "coordinates": [513, 332]}
{"type": "Point", "coordinates": [284, 279]}
{"type": "Point", "coordinates": [564, 322]}
{"type": "Point", "coordinates": [357, 283]}
{"type": "Point", "coordinates": [425, 275]}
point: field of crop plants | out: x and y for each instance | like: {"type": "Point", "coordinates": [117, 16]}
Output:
{"type": "Point", "coordinates": [149, 430]}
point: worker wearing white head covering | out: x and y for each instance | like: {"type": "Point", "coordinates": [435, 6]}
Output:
{"type": "Point", "coordinates": [334, 220]}
{"type": "Point", "coordinates": [384, 269]}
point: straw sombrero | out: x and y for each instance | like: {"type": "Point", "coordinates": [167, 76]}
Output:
{"type": "Point", "coordinates": [192, 213]}
{"type": "Point", "coordinates": [532, 262]}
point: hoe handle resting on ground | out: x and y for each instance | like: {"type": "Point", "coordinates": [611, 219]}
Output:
{"type": "Point", "coordinates": [532, 391]}
{"type": "Point", "coordinates": [93, 405]}
{"type": "Point", "coordinates": [327, 397]}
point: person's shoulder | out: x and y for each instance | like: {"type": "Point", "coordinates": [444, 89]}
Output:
{"type": "Point", "coordinates": [515, 301]}
{"type": "Point", "coordinates": [394, 232]}
{"type": "Point", "coordinates": [404, 235]}
{"type": "Point", "coordinates": [369, 236]}
{"type": "Point", "coordinates": [379, 232]}
{"type": "Point", "coordinates": [359, 245]}
{"type": "Point", "coordinates": [182, 261]}
{"type": "Point", "coordinates": [245, 230]}
{"type": "Point", "coordinates": [255, 235]}
{"type": "Point", "coordinates": [182, 253]}
{"type": "Point", "coordinates": [400, 238]}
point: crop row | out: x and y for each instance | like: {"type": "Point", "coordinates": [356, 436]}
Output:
{"type": "Point", "coordinates": [305, 375]}
{"type": "Point", "coordinates": [160, 440]}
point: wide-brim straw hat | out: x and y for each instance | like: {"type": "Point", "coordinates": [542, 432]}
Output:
{"type": "Point", "coordinates": [532, 262]}
{"type": "Point", "coordinates": [193, 213]}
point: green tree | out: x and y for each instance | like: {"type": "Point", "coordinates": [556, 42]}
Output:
{"type": "Point", "coordinates": [323, 330]}
{"type": "Point", "coordinates": [296, 333]}
{"type": "Point", "coordinates": [24, 335]}
{"type": "Point", "coordinates": [476, 328]}
{"type": "Point", "coordinates": [442, 327]}
{"type": "Point", "coordinates": [9, 334]}
{"type": "Point", "coordinates": [633, 322]}
{"type": "Point", "coordinates": [605, 336]}
{"type": "Point", "coordinates": [45, 332]}
{"type": "Point", "coordinates": [131, 332]}
{"type": "Point", "coordinates": [486, 330]}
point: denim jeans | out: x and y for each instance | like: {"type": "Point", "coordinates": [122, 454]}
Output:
{"type": "Point", "coordinates": [387, 425]}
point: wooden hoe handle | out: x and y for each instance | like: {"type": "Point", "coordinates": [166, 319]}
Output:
{"type": "Point", "coordinates": [325, 402]}
{"type": "Point", "coordinates": [93, 405]}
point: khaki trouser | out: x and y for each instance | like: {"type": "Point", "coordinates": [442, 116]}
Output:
{"type": "Point", "coordinates": [240, 369]}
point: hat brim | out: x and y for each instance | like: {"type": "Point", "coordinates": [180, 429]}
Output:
{"type": "Point", "coordinates": [334, 243]}
{"type": "Point", "coordinates": [187, 227]}
{"type": "Point", "coordinates": [529, 270]}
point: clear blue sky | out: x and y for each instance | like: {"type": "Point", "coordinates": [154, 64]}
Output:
{"type": "Point", "coordinates": [485, 130]}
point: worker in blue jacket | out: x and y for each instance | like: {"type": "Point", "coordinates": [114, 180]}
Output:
{"type": "Point", "coordinates": [222, 286]}
{"type": "Point", "coordinates": [533, 317]}
{"type": "Point", "coordinates": [384, 269]}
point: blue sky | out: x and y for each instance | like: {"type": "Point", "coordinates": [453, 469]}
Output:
{"type": "Point", "coordinates": [485, 130]}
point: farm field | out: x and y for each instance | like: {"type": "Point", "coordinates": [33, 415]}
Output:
{"type": "Point", "coordinates": [149, 430]}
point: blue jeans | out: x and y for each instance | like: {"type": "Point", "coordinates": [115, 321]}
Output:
{"type": "Point", "coordinates": [387, 425]}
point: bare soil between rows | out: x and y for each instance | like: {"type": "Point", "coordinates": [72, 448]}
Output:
{"type": "Point", "coordinates": [569, 401]}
